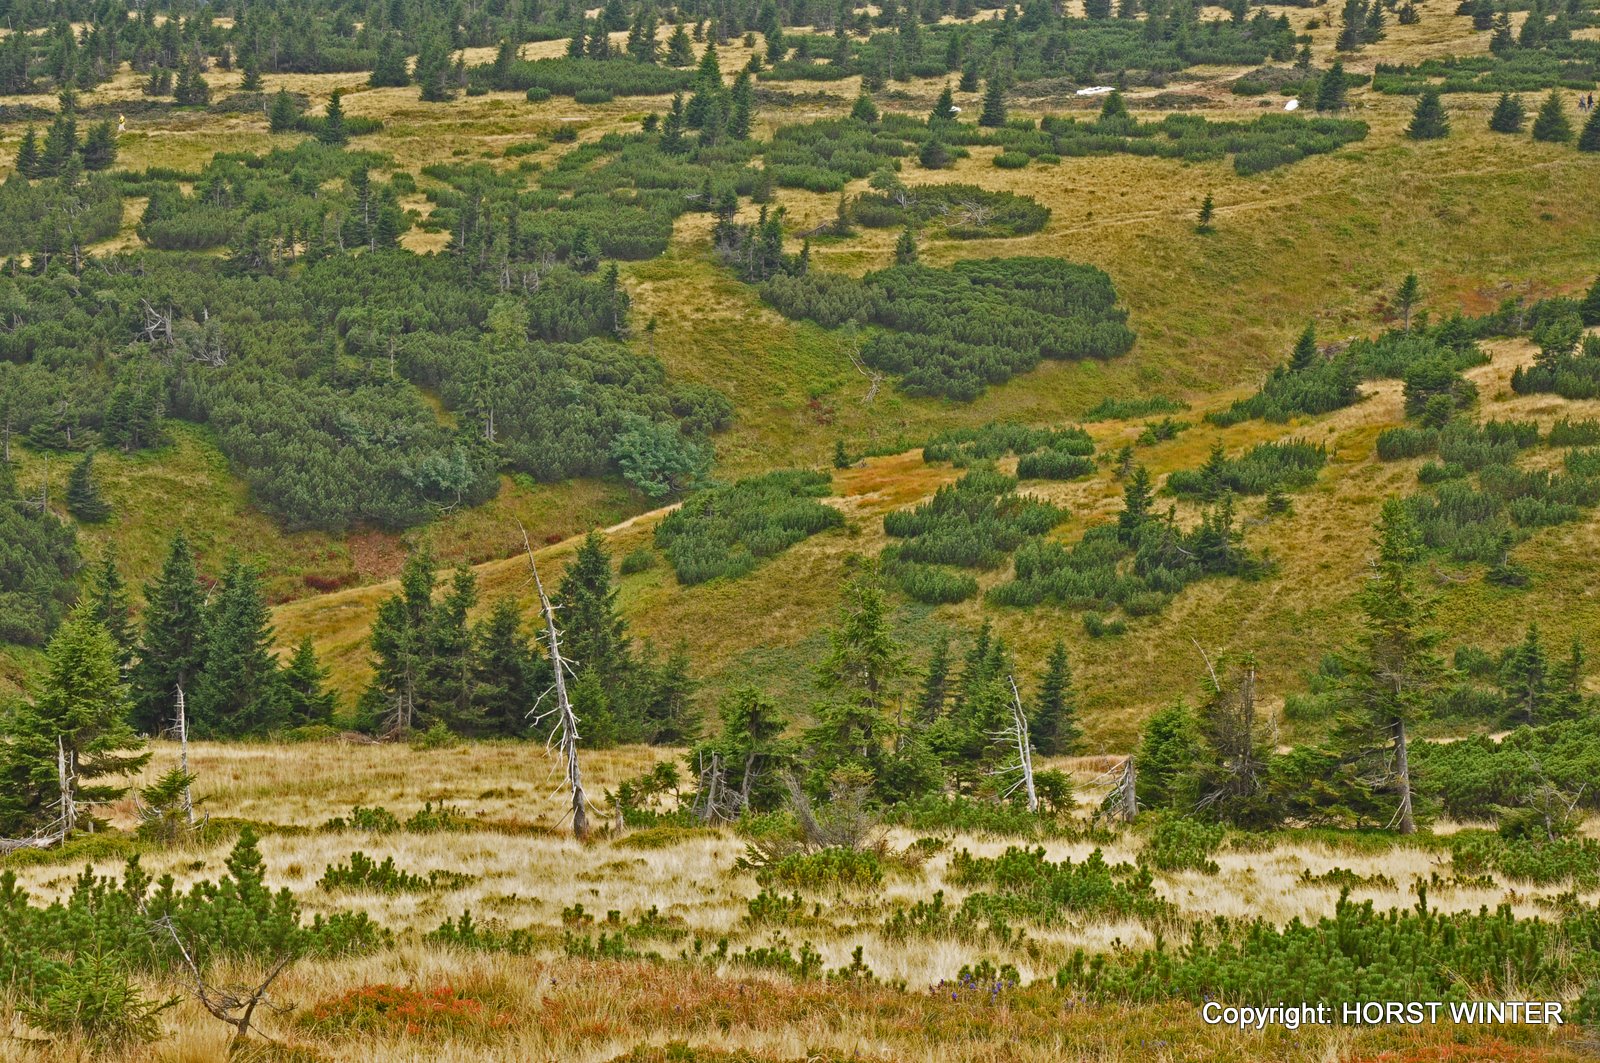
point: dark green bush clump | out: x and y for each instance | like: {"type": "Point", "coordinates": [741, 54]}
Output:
{"type": "Point", "coordinates": [727, 531]}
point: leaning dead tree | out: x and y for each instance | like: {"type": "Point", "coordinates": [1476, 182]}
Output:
{"type": "Point", "coordinates": [564, 732]}
{"type": "Point", "coordinates": [1016, 733]}
{"type": "Point", "coordinates": [235, 1005]}
{"type": "Point", "coordinates": [66, 806]}
{"type": "Point", "coordinates": [1122, 801]}
{"type": "Point", "coordinates": [715, 801]}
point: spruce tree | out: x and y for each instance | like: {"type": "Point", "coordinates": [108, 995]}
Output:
{"type": "Point", "coordinates": [1305, 349]}
{"type": "Point", "coordinates": [740, 104]}
{"type": "Point", "coordinates": [1208, 211]}
{"type": "Point", "coordinates": [670, 715]}
{"type": "Point", "coordinates": [236, 690]}
{"type": "Point", "coordinates": [595, 636]}
{"type": "Point", "coordinates": [1589, 309]}
{"type": "Point", "coordinates": [447, 684]}
{"type": "Point", "coordinates": [993, 113]}
{"type": "Point", "coordinates": [1406, 298]}
{"type": "Point", "coordinates": [1509, 115]}
{"type": "Point", "coordinates": [99, 150]}
{"type": "Point", "coordinates": [393, 701]}
{"type": "Point", "coordinates": [83, 495]}
{"type": "Point", "coordinates": [935, 685]}
{"type": "Point", "coordinates": [905, 248]}
{"type": "Point", "coordinates": [1551, 124]}
{"type": "Point", "coordinates": [969, 76]}
{"type": "Point", "coordinates": [108, 603]}
{"type": "Point", "coordinates": [679, 51]}
{"type": "Point", "coordinates": [506, 673]}
{"type": "Point", "coordinates": [1394, 671]}
{"type": "Point", "coordinates": [283, 116]}
{"type": "Point", "coordinates": [1233, 776]}
{"type": "Point", "coordinates": [28, 154]}
{"type": "Point", "coordinates": [1054, 724]}
{"type": "Point", "coordinates": [81, 713]}
{"type": "Point", "coordinates": [864, 110]}
{"type": "Point", "coordinates": [1333, 88]}
{"type": "Point", "coordinates": [1428, 121]}
{"type": "Point", "coordinates": [171, 647]}
{"type": "Point", "coordinates": [577, 46]}
{"type": "Point", "coordinates": [389, 70]}
{"type": "Point", "coordinates": [1502, 41]}
{"type": "Point", "coordinates": [302, 691]}
{"type": "Point", "coordinates": [332, 130]}
{"type": "Point", "coordinates": [1589, 139]}
{"type": "Point", "coordinates": [1166, 760]}
{"type": "Point", "coordinates": [1525, 680]}
{"type": "Point", "coordinates": [943, 107]}
{"type": "Point", "coordinates": [251, 82]}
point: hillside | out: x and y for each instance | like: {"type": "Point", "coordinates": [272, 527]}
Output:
{"type": "Point", "coordinates": [1047, 518]}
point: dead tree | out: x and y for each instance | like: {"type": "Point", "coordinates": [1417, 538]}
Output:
{"type": "Point", "coordinates": [566, 723]}
{"type": "Point", "coordinates": [1122, 803]}
{"type": "Point", "coordinates": [1017, 734]}
{"type": "Point", "coordinates": [715, 801]}
{"type": "Point", "coordinates": [235, 1005]}
{"type": "Point", "coordinates": [66, 820]}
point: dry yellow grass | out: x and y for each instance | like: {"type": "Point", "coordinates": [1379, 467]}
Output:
{"type": "Point", "coordinates": [526, 870]}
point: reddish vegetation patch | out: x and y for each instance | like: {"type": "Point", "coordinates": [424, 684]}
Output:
{"type": "Point", "coordinates": [323, 584]}
{"type": "Point", "coordinates": [376, 555]}
{"type": "Point", "coordinates": [1494, 1051]}
{"type": "Point", "coordinates": [391, 1010]}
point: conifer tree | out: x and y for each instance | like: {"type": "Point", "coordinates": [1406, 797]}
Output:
{"type": "Point", "coordinates": [670, 716]}
{"type": "Point", "coordinates": [1305, 349]}
{"type": "Point", "coordinates": [302, 691]}
{"type": "Point", "coordinates": [1502, 41]}
{"type": "Point", "coordinates": [595, 634]}
{"type": "Point", "coordinates": [905, 248]}
{"type": "Point", "coordinates": [1208, 210]}
{"type": "Point", "coordinates": [389, 70]}
{"type": "Point", "coordinates": [935, 684]}
{"type": "Point", "coordinates": [1406, 297]}
{"type": "Point", "coordinates": [1551, 124]}
{"type": "Point", "coordinates": [99, 150]}
{"type": "Point", "coordinates": [332, 130]}
{"type": "Point", "coordinates": [171, 647]}
{"type": "Point", "coordinates": [1589, 309]}
{"type": "Point", "coordinates": [108, 603]}
{"type": "Point", "coordinates": [679, 51]}
{"type": "Point", "coordinates": [506, 674]}
{"type": "Point", "coordinates": [1428, 121]}
{"type": "Point", "coordinates": [1137, 498]}
{"type": "Point", "coordinates": [577, 47]}
{"type": "Point", "coordinates": [1509, 114]}
{"type": "Point", "coordinates": [447, 684]}
{"type": "Point", "coordinates": [1393, 672]}
{"type": "Point", "coordinates": [1167, 757]}
{"type": "Point", "coordinates": [28, 154]}
{"type": "Point", "coordinates": [1233, 776]}
{"type": "Point", "coordinates": [80, 716]}
{"type": "Point", "coordinates": [236, 689]}
{"type": "Point", "coordinates": [740, 103]}
{"type": "Point", "coordinates": [944, 106]}
{"type": "Point", "coordinates": [993, 113]}
{"type": "Point", "coordinates": [864, 110]}
{"type": "Point", "coordinates": [1332, 89]}
{"type": "Point", "coordinates": [1589, 139]}
{"type": "Point", "coordinates": [1525, 679]}
{"type": "Point", "coordinates": [251, 82]}
{"type": "Point", "coordinates": [393, 702]}
{"type": "Point", "coordinates": [283, 116]}
{"type": "Point", "coordinates": [1054, 725]}
{"type": "Point", "coordinates": [83, 494]}
{"type": "Point", "coordinates": [969, 76]}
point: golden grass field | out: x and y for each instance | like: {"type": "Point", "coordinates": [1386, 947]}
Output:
{"type": "Point", "coordinates": [526, 869]}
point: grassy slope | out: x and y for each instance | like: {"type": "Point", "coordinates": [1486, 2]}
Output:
{"type": "Point", "coordinates": [1479, 216]}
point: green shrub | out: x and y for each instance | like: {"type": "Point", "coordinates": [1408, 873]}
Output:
{"type": "Point", "coordinates": [827, 870]}
{"type": "Point", "coordinates": [592, 96]}
{"type": "Point", "coordinates": [727, 531]}
{"type": "Point", "coordinates": [641, 560]}
{"type": "Point", "coordinates": [1011, 160]}
{"type": "Point", "coordinates": [1129, 409]}
{"type": "Point", "coordinates": [362, 873]}
{"type": "Point", "coordinates": [972, 523]}
{"type": "Point", "coordinates": [1178, 843]}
